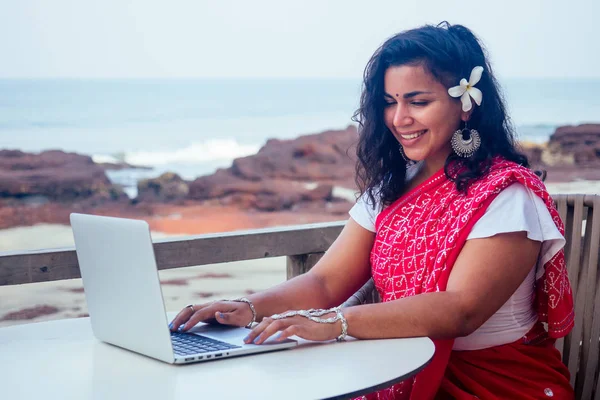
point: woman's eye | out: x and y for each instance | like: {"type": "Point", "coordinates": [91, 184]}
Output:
{"type": "Point", "coordinates": [420, 103]}
{"type": "Point", "coordinates": [388, 104]}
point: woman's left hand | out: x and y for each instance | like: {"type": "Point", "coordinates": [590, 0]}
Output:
{"type": "Point", "coordinates": [297, 325]}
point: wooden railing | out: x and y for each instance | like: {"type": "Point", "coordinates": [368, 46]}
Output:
{"type": "Point", "coordinates": [303, 245]}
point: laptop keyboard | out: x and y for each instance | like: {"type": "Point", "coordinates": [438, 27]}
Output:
{"type": "Point", "coordinates": [189, 343]}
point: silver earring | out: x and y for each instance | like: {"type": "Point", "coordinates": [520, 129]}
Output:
{"type": "Point", "coordinates": [465, 142]}
{"type": "Point", "coordinates": [408, 161]}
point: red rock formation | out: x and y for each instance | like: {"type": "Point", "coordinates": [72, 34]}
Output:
{"type": "Point", "coordinates": [168, 187]}
{"type": "Point", "coordinates": [327, 156]}
{"type": "Point", "coordinates": [284, 173]}
{"type": "Point", "coordinates": [286, 182]}
{"type": "Point", "coordinates": [572, 153]}
{"type": "Point", "coordinates": [574, 145]}
{"type": "Point", "coordinates": [54, 176]}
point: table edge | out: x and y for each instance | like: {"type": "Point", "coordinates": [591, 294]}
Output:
{"type": "Point", "coordinates": [382, 385]}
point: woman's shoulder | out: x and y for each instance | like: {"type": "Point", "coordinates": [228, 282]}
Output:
{"type": "Point", "coordinates": [500, 165]}
{"type": "Point", "coordinates": [366, 209]}
{"type": "Point", "coordinates": [503, 172]}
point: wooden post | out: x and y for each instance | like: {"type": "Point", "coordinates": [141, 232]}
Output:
{"type": "Point", "coordinates": [301, 263]}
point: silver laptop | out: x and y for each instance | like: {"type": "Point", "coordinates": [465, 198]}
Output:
{"type": "Point", "coordinates": [125, 301]}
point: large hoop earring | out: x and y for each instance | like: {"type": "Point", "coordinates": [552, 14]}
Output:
{"type": "Point", "coordinates": [408, 161]}
{"type": "Point", "coordinates": [465, 142]}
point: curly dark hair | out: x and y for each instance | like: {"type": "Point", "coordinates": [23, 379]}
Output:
{"type": "Point", "coordinates": [448, 52]}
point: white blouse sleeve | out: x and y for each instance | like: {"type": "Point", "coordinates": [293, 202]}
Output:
{"type": "Point", "coordinates": [518, 209]}
{"type": "Point", "coordinates": [365, 213]}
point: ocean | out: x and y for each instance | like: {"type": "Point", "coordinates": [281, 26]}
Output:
{"type": "Point", "coordinates": [193, 127]}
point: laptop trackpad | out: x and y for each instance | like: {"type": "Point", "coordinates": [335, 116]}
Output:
{"type": "Point", "coordinates": [230, 334]}
{"type": "Point", "coordinates": [225, 333]}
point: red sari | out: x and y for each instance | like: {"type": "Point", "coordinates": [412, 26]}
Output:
{"type": "Point", "coordinates": [418, 239]}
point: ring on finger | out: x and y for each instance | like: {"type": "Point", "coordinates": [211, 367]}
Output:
{"type": "Point", "coordinates": [191, 307]}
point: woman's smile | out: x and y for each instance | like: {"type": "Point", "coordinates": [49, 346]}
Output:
{"type": "Point", "coordinates": [409, 138]}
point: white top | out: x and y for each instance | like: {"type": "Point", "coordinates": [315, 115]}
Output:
{"type": "Point", "coordinates": [62, 360]}
{"type": "Point", "coordinates": [515, 209]}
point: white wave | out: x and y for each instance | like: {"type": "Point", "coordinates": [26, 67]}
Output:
{"type": "Point", "coordinates": [102, 158]}
{"type": "Point", "coordinates": [196, 153]}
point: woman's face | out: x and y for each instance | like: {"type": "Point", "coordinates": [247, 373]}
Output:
{"type": "Point", "coordinates": [421, 114]}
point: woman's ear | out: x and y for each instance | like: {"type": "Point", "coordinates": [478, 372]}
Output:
{"type": "Point", "coordinates": [465, 116]}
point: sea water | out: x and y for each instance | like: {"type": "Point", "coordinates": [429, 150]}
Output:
{"type": "Point", "coordinates": [193, 127]}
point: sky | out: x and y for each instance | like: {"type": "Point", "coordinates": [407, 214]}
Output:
{"type": "Point", "coordinates": [280, 38]}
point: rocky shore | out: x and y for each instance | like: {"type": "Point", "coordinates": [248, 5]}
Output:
{"type": "Point", "coordinates": [571, 154]}
{"type": "Point", "coordinates": [286, 182]}
{"type": "Point", "coordinates": [308, 179]}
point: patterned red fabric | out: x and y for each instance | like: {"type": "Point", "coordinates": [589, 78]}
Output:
{"type": "Point", "coordinates": [418, 239]}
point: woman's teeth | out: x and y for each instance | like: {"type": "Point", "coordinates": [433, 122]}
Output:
{"type": "Point", "coordinates": [413, 135]}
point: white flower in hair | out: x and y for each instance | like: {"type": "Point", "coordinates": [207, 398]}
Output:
{"type": "Point", "coordinates": [466, 90]}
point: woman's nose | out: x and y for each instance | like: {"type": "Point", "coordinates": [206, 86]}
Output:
{"type": "Point", "coordinates": [401, 116]}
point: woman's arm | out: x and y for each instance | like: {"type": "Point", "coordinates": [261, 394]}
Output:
{"type": "Point", "coordinates": [486, 273]}
{"type": "Point", "coordinates": [337, 275]}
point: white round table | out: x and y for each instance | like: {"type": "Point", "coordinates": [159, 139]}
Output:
{"type": "Point", "coordinates": [62, 360]}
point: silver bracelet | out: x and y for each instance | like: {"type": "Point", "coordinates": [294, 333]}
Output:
{"type": "Point", "coordinates": [315, 316]}
{"type": "Point", "coordinates": [245, 300]}
{"type": "Point", "coordinates": [342, 337]}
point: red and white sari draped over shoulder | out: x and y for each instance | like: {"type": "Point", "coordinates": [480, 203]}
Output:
{"type": "Point", "coordinates": [418, 239]}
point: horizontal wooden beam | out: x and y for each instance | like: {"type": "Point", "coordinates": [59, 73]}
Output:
{"type": "Point", "coordinates": [56, 264]}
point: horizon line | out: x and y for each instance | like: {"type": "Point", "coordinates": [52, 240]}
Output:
{"type": "Point", "coordinates": [257, 78]}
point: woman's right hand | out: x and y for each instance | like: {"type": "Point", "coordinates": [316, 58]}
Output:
{"type": "Point", "coordinates": [223, 312]}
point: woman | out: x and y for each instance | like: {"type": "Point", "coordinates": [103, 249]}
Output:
{"type": "Point", "coordinates": [461, 238]}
